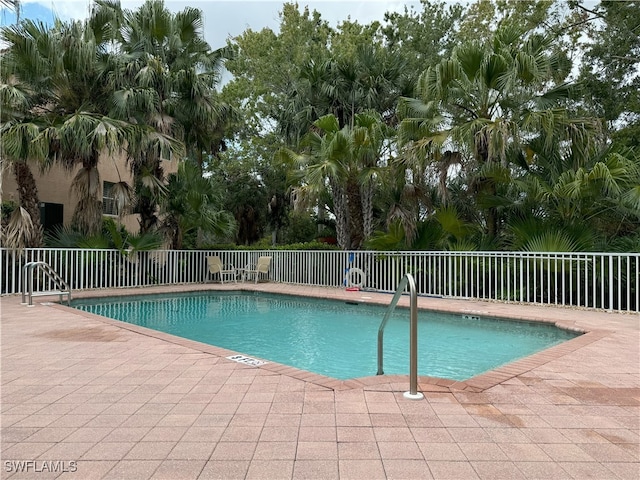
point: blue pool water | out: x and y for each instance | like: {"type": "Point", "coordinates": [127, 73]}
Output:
{"type": "Point", "coordinates": [332, 338]}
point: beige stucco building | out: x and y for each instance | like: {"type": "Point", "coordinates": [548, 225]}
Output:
{"type": "Point", "coordinates": [58, 202]}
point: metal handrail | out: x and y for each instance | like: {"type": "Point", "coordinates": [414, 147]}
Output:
{"type": "Point", "coordinates": [27, 281]}
{"type": "Point", "coordinates": [413, 333]}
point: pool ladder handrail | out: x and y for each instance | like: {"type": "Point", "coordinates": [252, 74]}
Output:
{"type": "Point", "coordinates": [407, 280]}
{"type": "Point", "coordinates": [27, 283]}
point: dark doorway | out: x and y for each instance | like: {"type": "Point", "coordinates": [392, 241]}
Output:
{"type": "Point", "coordinates": [51, 216]}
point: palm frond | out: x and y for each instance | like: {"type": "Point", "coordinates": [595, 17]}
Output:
{"type": "Point", "coordinates": [63, 236]}
{"type": "Point", "coordinates": [328, 124]}
{"type": "Point", "coordinates": [86, 183]}
{"type": "Point", "coordinates": [87, 216]}
{"type": "Point", "coordinates": [144, 242]}
{"type": "Point", "coordinates": [152, 183]}
{"type": "Point", "coordinates": [451, 223]}
{"type": "Point", "coordinates": [20, 231]}
{"type": "Point", "coordinates": [471, 58]}
{"type": "Point", "coordinates": [631, 198]}
{"type": "Point", "coordinates": [551, 241]}
{"type": "Point", "coordinates": [19, 141]}
{"type": "Point", "coordinates": [123, 197]}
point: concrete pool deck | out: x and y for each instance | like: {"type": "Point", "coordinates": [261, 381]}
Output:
{"type": "Point", "coordinates": [86, 397]}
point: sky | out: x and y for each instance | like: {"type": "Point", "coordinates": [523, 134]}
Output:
{"type": "Point", "coordinates": [223, 18]}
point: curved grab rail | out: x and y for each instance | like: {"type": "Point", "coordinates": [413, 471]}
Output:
{"type": "Point", "coordinates": [27, 282]}
{"type": "Point", "coordinates": [413, 333]}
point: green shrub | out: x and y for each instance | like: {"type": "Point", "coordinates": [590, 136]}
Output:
{"type": "Point", "coordinates": [301, 228]}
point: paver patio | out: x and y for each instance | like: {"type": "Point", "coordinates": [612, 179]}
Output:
{"type": "Point", "coordinates": [85, 397]}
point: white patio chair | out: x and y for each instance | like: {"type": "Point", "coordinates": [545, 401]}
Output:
{"type": "Point", "coordinates": [215, 266]}
{"type": "Point", "coordinates": [261, 267]}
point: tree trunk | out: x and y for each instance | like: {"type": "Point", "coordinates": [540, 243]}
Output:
{"type": "Point", "coordinates": [366, 192]}
{"type": "Point", "coordinates": [340, 211]}
{"type": "Point", "coordinates": [487, 185]}
{"type": "Point", "coordinates": [28, 197]}
{"type": "Point", "coordinates": [355, 218]}
{"type": "Point", "coordinates": [492, 215]}
{"type": "Point", "coordinates": [178, 239]}
{"type": "Point", "coordinates": [148, 218]}
{"type": "Point", "coordinates": [87, 216]}
{"type": "Point", "coordinates": [147, 203]}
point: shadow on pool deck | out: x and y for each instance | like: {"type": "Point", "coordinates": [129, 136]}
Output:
{"type": "Point", "coordinates": [127, 402]}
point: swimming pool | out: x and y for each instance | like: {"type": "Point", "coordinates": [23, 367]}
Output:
{"type": "Point", "coordinates": [329, 337]}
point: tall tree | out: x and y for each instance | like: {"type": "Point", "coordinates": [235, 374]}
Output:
{"type": "Point", "coordinates": [17, 149]}
{"type": "Point", "coordinates": [192, 208]}
{"type": "Point", "coordinates": [164, 77]}
{"type": "Point", "coordinates": [366, 78]}
{"type": "Point", "coordinates": [483, 17]}
{"type": "Point", "coordinates": [266, 69]}
{"type": "Point", "coordinates": [422, 36]}
{"type": "Point", "coordinates": [59, 68]}
{"type": "Point", "coordinates": [610, 70]}
{"type": "Point", "coordinates": [266, 77]}
{"type": "Point", "coordinates": [477, 111]}
{"type": "Point", "coordinates": [344, 161]}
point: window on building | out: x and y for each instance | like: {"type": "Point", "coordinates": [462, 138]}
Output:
{"type": "Point", "coordinates": [108, 202]}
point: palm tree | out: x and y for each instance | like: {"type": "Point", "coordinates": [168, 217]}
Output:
{"type": "Point", "coordinates": [192, 208]}
{"type": "Point", "coordinates": [19, 130]}
{"type": "Point", "coordinates": [344, 161]}
{"type": "Point", "coordinates": [477, 112]}
{"type": "Point", "coordinates": [164, 77]}
{"type": "Point", "coordinates": [92, 94]}
{"type": "Point", "coordinates": [64, 118]}
{"type": "Point", "coordinates": [25, 229]}
{"type": "Point", "coordinates": [16, 149]}
{"type": "Point", "coordinates": [368, 79]}
{"type": "Point", "coordinates": [564, 206]}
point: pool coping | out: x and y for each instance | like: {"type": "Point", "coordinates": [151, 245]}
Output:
{"type": "Point", "coordinates": [476, 384]}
